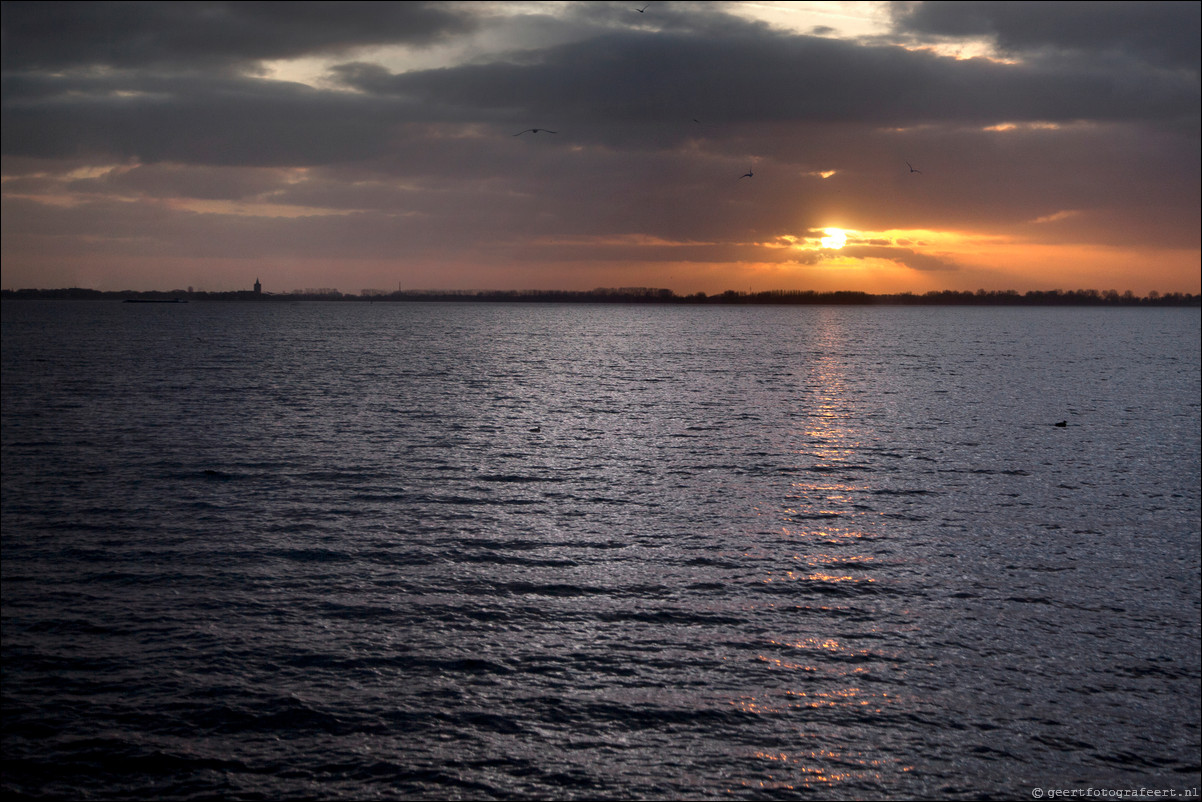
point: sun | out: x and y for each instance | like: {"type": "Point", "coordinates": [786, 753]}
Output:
{"type": "Point", "coordinates": [835, 238]}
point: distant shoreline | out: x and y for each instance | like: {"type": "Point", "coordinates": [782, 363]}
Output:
{"type": "Point", "coordinates": [640, 295]}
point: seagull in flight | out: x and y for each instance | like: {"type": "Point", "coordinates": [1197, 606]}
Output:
{"type": "Point", "coordinates": [644, 8]}
{"type": "Point", "coordinates": [747, 174]}
{"type": "Point", "coordinates": [536, 131]}
{"type": "Point", "coordinates": [912, 168]}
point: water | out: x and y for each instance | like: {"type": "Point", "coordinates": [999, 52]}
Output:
{"type": "Point", "coordinates": [518, 551]}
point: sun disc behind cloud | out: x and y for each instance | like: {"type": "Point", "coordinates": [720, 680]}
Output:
{"type": "Point", "coordinates": [835, 238]}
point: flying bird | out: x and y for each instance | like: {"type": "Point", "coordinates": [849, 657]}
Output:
{"type": "Point", "coordinates": [644, 8]}
{"type": "Point", "coordinates": [912, 168]}
{"type": "Point", "coordinates": [747, 174]}
{"type": "Point", "coordinates": [536, 131]}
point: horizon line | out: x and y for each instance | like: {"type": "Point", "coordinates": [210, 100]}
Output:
{"type": "Point", "coordinates": [1087, 296]}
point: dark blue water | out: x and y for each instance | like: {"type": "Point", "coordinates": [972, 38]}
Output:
{"type": "Point", "coordinates": [263, 551]}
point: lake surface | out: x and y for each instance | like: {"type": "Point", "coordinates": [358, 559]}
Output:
{"type": "Point", "coordinates": [263, 551]}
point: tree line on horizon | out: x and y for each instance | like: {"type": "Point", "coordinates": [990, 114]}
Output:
{"type": "Point", "coordinates": [648, 295]}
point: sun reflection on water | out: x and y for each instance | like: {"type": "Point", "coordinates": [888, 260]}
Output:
{"type": "Point", "coordinates": [817, 576]}
{"type": "Point", "coordinates": [826, 543]}
{"type": "Point", "coordinates": [778, 663]}
{"type": "Point", "coordinates": [806, 771]}
{"type": "Point", "coordinates": [828, 644]}
{"type": "Point", "coordinates": [829, 536]}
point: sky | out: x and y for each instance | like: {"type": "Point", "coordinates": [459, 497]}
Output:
{"type": "Point", "coordinates": [698, 147]}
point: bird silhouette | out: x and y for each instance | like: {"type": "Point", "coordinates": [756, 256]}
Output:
{"type": "Point", "coordinates": [536, 131]}
{"type": "Point", "coordinates": [747, 174]}
{"type": "Point", "coordinates": [912, 168]}
{"type": "Point", "coordinates": [644, 8]}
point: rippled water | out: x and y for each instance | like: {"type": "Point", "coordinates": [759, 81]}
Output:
{"type": "Point", "coordinates": [497, 551]}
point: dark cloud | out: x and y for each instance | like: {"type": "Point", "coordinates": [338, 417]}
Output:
{"type": "Point", "coordinates": [184, 181]}
{"type": "Point", "coordinates": [202, 120]}
{"type": "Point", "coordinates": [633, 76]}
{"type": "Point", "coordinates": [606, 89]}
{"type": "Point", "coordinates": [1162, 33]}
{"type": "Point", "coordinates": [40, 35]}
